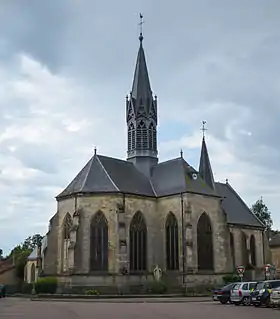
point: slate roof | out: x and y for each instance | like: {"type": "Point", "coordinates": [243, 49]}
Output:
{"type": "Point", "coordinates": [235, 208]}
{"type": "Point", "coordinates": [104, 174]}
{"type": "Point", "coordinates": [176, 176]}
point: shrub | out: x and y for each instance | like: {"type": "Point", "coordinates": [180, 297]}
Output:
{"type": "Point", "coordinates": [46, 285]}
{"type": "Point", "coordinates": [26, 288]}
{"type": "Point", "coordinates": [156, 287]}
{"type": "Point", "coordinates": [92, 292]}
{"type": "Point", "coordinates": [230, 278]}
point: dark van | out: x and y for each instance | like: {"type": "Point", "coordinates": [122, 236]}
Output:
{"type": "Point", "coordinates": [261, 295]}
{"type": "Point", "coordinates": [2, 291]}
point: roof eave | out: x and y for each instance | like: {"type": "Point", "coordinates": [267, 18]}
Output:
{"type": "Point", "coordinates": [242, 225]}
{"type": "Point", "coordinates": [103, 193]}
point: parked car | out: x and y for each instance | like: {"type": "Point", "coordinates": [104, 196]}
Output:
{"type": "Point", "coordinates": [2, 291]}
{"type": "Point", "coordinates": [261, 295]}
{"type": "Point", "coordinates": [223, 294]}
{"type": "Point", "coordinates": [275, 297]}
{"type": "Point", "coordinates": [240, 293]}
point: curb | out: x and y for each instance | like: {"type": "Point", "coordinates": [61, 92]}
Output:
{"type": "Point", "coordinates": [127, 300]}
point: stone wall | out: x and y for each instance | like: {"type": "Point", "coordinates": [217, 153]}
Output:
{"type": "Point", "coordinates": [28, 270]}
{"type": "Point", "coordinates": [9, 277]}
{"type": "Point", "coordinates": [119, 210]}
{"type": "Point", "coordinates": [236, 230]}
{"type": "Point", "coordinates": [275, 257]}
{"type": "Point", "coordinates": [197, 205]}
{"type": "Point", "coordinates": [51, 257]}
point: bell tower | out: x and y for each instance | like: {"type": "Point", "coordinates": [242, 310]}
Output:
{"type": "Point", "coordinates": [141, 117]}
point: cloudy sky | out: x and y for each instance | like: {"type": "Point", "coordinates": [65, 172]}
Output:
{"type": "Point", "coordinates": [66, 66]}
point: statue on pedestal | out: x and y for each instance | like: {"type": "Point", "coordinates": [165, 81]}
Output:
{"type": "Point", "coordinates": [157, 273]}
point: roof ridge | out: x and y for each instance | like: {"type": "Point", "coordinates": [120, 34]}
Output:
{"type": "Point", "coordinates": [113, 183]}
{"type": "Point", "coordinates": [243, 203]}
{"type": "Point", "coordinates": [89, 167]}
{"type": "Point", "coordinates": [170, 160]}
{"type": "Point", "coordinates": [151, 183]}
{"type": "Point", "coordinates": [114, 158]}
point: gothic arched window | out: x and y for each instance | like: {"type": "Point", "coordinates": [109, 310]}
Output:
{"type": "Point", "coordinates": [141, 136]}
{"type": "Point", "coordinates": [152, 137]}
{"type": "Point", "coordinates": [67, 224]}
{"type": "Point", "coordinates": [138, 243]}
{"type": "Point", "coordinates": [131, 137]}
{"type": "Point", "coordinates": [205, 259]}
{"type": "Point", "coordinates": [244, 250]}
{"type": "Point", "coordinates": [232, 252]}
{"type": "Point", "coordinates": [171, 242]}
{"type": "Point", "coordinates": [32, 273]}
{"type": "Point", "coordinates": [253, 250]}
{"type": "Point", "coordinates": [99, 242]}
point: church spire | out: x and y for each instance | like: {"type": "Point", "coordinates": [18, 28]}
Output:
{"type": "Point", "coordinates": [205, 170]}
{"type": "Point", "coordinates": [141, 88]}
{"type": "Point", "coordinates": [141, 116]}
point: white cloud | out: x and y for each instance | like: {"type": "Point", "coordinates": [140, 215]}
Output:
{"type": "Point", "coordinates": [62, 88]}
{"type": "Point", "coordinates": [54, 131]}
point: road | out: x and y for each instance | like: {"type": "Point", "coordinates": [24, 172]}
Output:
{"type": "Point", "coordinates": [13, 308]}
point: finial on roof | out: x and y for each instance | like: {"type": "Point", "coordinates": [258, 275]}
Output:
{"type": "Point", "coordinates": [203, 129]}
{"type": "Point", "coordinates": [181, 153]}
{"type": "Point", "coordinates": [95, 150]}
{"type": "Point", "coordinates": [141, 27]}
{"type": "Point", "coordinates": [226, 181]}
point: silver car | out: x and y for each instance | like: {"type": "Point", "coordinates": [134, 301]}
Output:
{"type": "Point", "coordinates": [240, 293]}
{"type": "Point", "coordinates": [275, 297]}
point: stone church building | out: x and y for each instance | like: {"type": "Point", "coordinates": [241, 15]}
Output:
{"type": "Point", "coordinates": [118, 219]}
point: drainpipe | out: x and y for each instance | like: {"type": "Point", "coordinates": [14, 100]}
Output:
{"type": "Point", "coordinates": [183, 240]}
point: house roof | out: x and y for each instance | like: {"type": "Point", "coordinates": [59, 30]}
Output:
{"type": "Point", "coordinates": [6, 265]}
{"type": "Point", "coordinates": [235, 208]}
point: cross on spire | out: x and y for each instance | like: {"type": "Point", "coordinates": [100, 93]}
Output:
{"type": "Point", "coordinates": [203, 129]}
{"type": "Point", "coordinates": [141, 27]}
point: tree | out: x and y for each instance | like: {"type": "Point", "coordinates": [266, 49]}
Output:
{"type": "Point", "coordinates": [263, 214]}
{"type": "Point", "coordinates": [21, 252]}
{"type": "Point", "coordinates": [20, 255]}
{"type": "Point", "coordinates": [1, 254]}
{"type": "Point", "coordinates": [32, 242]}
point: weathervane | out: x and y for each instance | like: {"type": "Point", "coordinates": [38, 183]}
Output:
{"type": "Point", "coordinates": [203, 129]}
{"type": "Point", "coordinates": [141, 26]}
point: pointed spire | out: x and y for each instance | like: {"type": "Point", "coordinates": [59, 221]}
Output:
{"type": "Point", "coordinates": [205, 169]}
{"type": "Point", "coordinates": [141, 116]}
{"type": "Point", "coordinates": [141, 88]}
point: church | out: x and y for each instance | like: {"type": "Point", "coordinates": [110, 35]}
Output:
{"type": "Point", "coordinates": [119, 219]}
